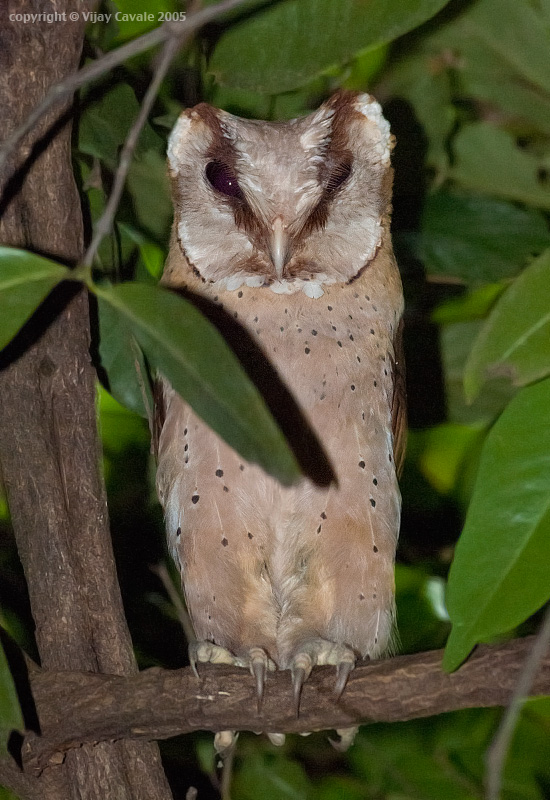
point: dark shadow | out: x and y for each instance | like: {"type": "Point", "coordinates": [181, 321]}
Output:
{"type": "Point", "coordinates": [54, 305]}
{"type": "Point", "coordinates": [20, 674]}
{"type": "Point", "coordinates": [303, 441]}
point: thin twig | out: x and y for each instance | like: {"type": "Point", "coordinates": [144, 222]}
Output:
{"type": "Point", "coordinates": [104, 223]}
{"type": "Point", "coordinates": [183, 615]}
{"type": "Point", "coordinates": [65, 88]}
{"type": "Point", "coordinates": [495, 759]}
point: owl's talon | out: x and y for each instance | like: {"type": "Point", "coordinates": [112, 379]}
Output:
{"type": "Point", "coordinates": [300, 671]}
{"type": "Point", "coordinates": [298, 678]}
{"type": "Point", "coordinates": [343, 670]}
{"type": "Point", "coordinates": [192, 652]}
{"type": "Point", "coordinates": [258, 668]}
{"type": "Point", "coordinates": [278, 739]}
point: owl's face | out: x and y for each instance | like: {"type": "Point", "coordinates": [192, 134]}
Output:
{"type": "Point", "coordinates": [289, 205]}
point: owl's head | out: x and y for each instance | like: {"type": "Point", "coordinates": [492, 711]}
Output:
{"type": "Point", "coordinates": [290, 205]}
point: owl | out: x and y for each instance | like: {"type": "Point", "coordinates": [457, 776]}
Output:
{"type": "Point", "coordinates": [281, 236]}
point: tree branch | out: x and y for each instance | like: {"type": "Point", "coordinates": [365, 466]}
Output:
{"type": "Point", "coordinates": [74, 707]}
{"type": "Point", "coordinates": [65, 89]}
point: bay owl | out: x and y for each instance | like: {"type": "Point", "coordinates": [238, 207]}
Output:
{"type": "Point", "coordinates": [281, 236]}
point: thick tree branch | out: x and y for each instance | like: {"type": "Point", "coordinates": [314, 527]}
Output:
{"type": "Point", "coordinates": [157, 704]}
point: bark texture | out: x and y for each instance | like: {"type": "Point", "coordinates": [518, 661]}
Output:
{"type": "Point", "coordinates": [49, 450]}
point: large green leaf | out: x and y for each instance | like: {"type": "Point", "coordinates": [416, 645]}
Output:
{"type": "Point", "coordinates": [500, 54]}
{"type": "Point", "coordinates": [179, 342]}
{"type": "Point", "coordinates": [519, 32]}
{"type": "Point", "coordinates": [489, 161]}
{"type": "Point", "coordinates": [515, 341]}
{"type": "Point", "coordinates": [11, 717]}
{"type": "Point", "coordinates": [456, 342]}
{"type": "Point", "coordinates": [479, 239]}
{"type": "Point", "coordinates": [287, 44]}
{"type": "Point", "coordinates": [25, 281]}
{"type": "Point", "coordinates": [499, 576]}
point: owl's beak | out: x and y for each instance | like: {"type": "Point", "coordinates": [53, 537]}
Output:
{"type": "Point", "coordinates": [278, 245]}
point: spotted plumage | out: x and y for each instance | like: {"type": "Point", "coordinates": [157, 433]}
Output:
{"type": "Point", "coordinates": [281, 236]}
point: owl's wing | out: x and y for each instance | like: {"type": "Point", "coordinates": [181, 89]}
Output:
{"type": "Point", "coordinates": [399, 402]}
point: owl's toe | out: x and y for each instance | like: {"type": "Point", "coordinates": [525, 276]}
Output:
{"type": "Point", "coordinates": [205, 652]}
{"type": "Point", "coordinates": [224, 742]}
{"type": "Point", "coordinates": [278, 739]}
{"type": "Point", "coordinates": [318, 652]}
{"type": "Point", "coordinates": [347, 737]}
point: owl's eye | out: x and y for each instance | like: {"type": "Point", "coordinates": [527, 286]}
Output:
{"type": "Point", "coordinates": [339, 175]}
{"type": "Point", "coordinates": [222, 179]}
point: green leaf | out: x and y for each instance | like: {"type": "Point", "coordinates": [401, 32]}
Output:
{"type": "Point", "coordinates": [489, 161]}
{"type": "Point", "coordinates": [105, 124]}
{"type": "Point", "coordinates": [179, 342]}
{"type": "Point", "coordinates": [515, 341]}
{"type": "Point", "coordinates": [151, 257]}
{"type": "Point", "coordinates": [123, 361]}
{"type": "Point", "coordinates": [479, 239]}
{"type": "Point", "coordinates": [457, 341]}
{"type": "Point", "coordinates": [426, 85]}
{"type": "Point", "coordinates": [11, 717]}
{"type": "Point", "coordinates": [500, 57]}
{"type": "Point", "coordinates": [499, 576]}
{"type": "Point", "coordinates": [468, 306]}
{"type": "Point", "coordinates": [134, 20]}
{"type": "Point", "coordinates": [519, 33]}
{"type": "Point", "coordinates": [25, 281]}
{"type": "Point", "coordinates": [287, 44]}
{"type": "Point", "coordinates": [120, 429]}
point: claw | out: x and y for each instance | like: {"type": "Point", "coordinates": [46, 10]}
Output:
{"type": "Point", "coordinates": [258, 670]}
{"type": "Point", "coordinates": [193, 657]}
{"type": "Point", "coordinates": [342, 674]}
{"type": "Point", "coordinates": [299, 676]}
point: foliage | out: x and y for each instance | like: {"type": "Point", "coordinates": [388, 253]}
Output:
{"type": "Point", "coordinates": [467, 91]}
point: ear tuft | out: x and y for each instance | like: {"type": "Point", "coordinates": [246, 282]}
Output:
{"type": "Point", "coordinates": [177, 139]}
{"type": "Point", "coordinates": [366, 105]}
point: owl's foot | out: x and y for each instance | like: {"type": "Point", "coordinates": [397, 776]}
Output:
{"type": "Point", "coordinates": [224, 742]}
{"type": "Point", "coordinates": [347, 737]}
{"type": "Point", "coordinates": [317, 652]}
{"type": "Point", "coordinates": [209, 653]}
{"type": "Point", "coordinates": [278, 739]}
{"type": "Point", "coordinates": [256, 660]}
